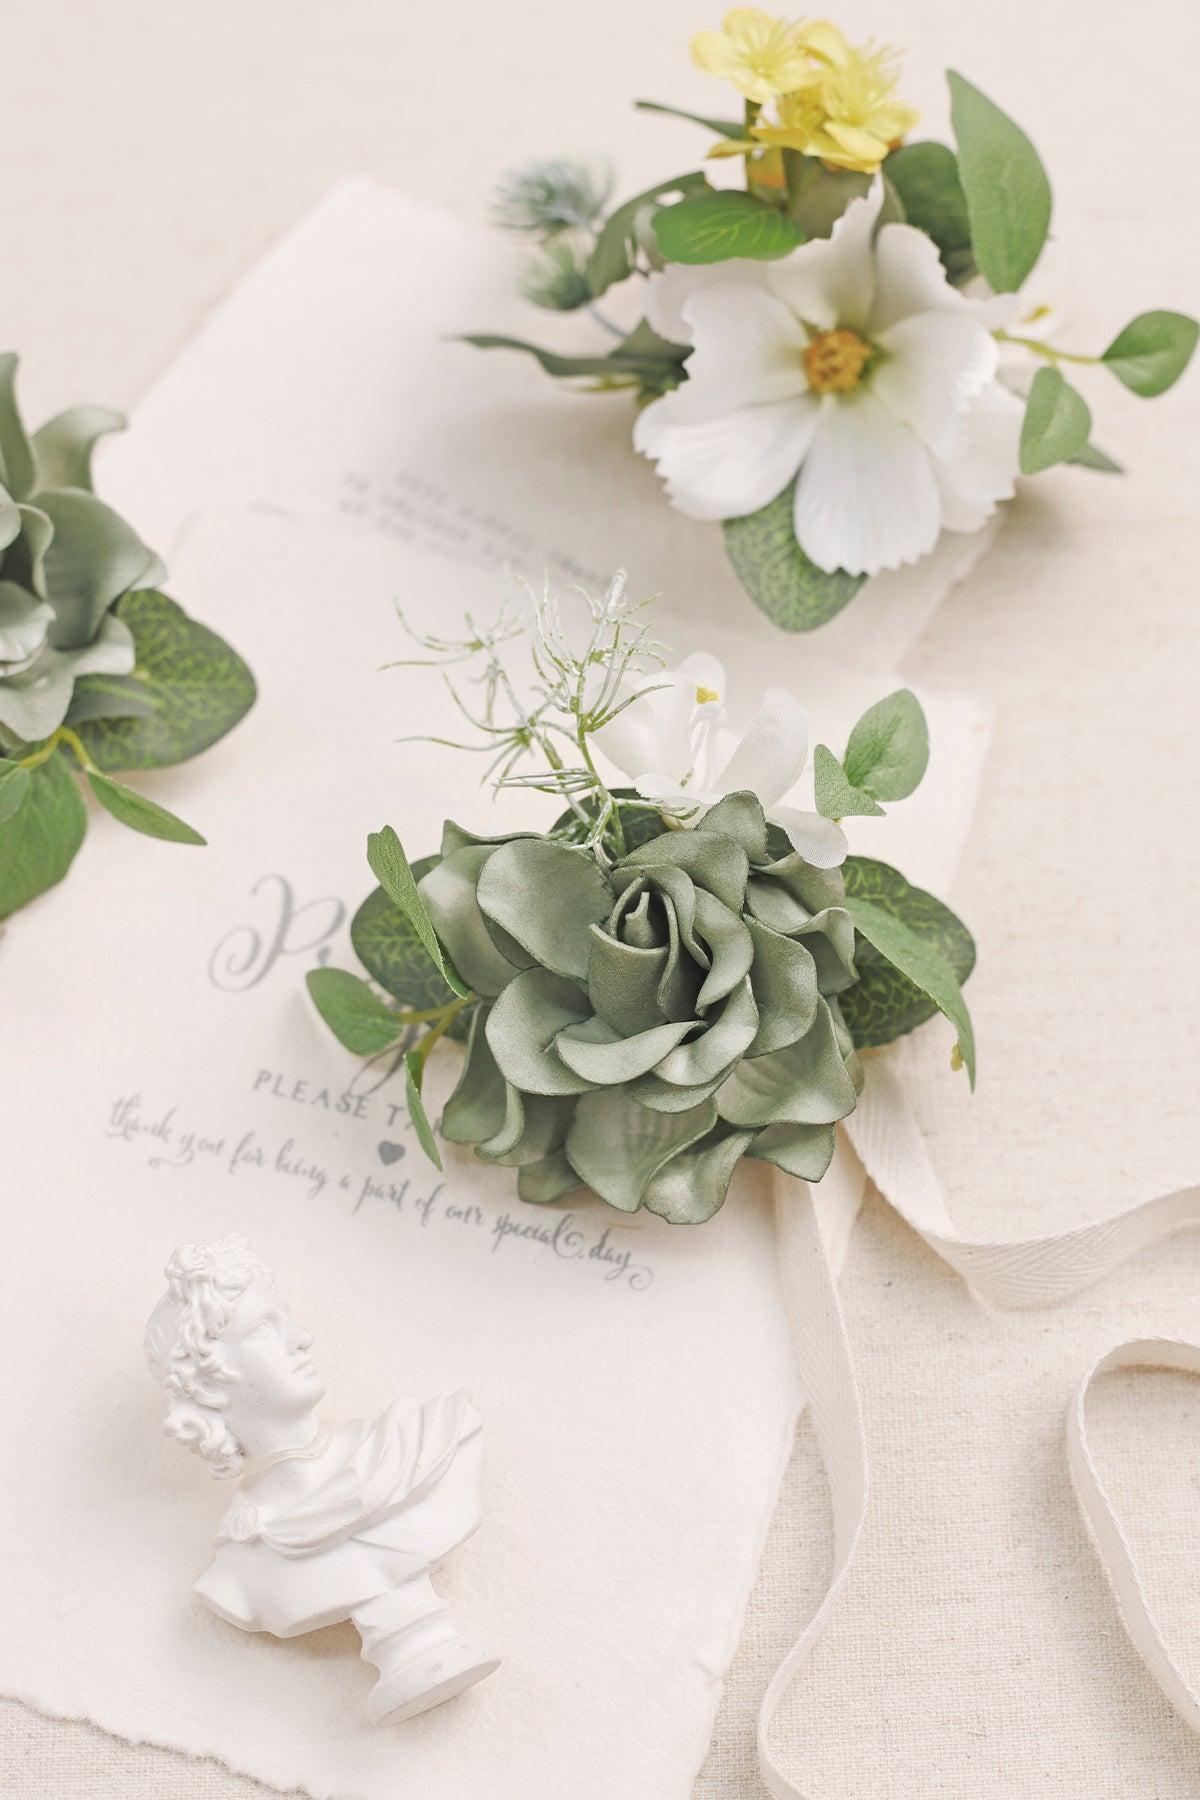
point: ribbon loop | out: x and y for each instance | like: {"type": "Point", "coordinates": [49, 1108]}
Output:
{"type": "Point", "coordinates": [1032, 1272]}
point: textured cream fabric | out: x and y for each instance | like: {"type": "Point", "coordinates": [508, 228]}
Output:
{"type": "Point", "coordinates": [152, 148]}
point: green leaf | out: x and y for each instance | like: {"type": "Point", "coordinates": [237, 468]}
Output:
{"type": "Point", "coordinates": [1006, 188]}
{"type": "Point", "coordinates": [727, 128]}
{"type": "Point", "coordinates": [777, 575]}
{"type": "Point", "coordinates": [1092, 457]}
{"type": "Point", "coordinates": [390, 867]}
{"type": "Point", "coordinates": [15, 786]}
{"type": "Point", "coordinates": [109, 697]}
{"type": "Point", "coordinates": [925, 175]}
{"type": "Point", "coordinates": [353, 1012]}
{"type": "Point", "coordinates": [196, 686]}
{"type": "Point", "coordinates": [647, 365]}
{"type": "Point", "coordinates": [885, 1003]}
{"type": "Point", "coordinates": [837, 797]}
{"type": "Point", "coordinates": [413, 1069]}
{"type": "Point", "coordinates": [1056, 424]}
{"type": "Point", "coordinates": [1152, 352]}
{"type": "Point", "coordinates": [888, 750]}
{"type": "Point", "coordinates": [388, 947]}
{"type": "Point", "coordinates": [38, 843]}
{"type": "Point", "coordinates": [133, 809]}
{"type": "Point", "coordinates": [615, 254]}
{"type": "Point", "coordinates": [711, 228]}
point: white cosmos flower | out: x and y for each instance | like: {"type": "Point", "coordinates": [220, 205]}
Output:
{"type": "Point", "coordinates": [673, 744]}
{"type": "Point", "coordinates": [853, 362]}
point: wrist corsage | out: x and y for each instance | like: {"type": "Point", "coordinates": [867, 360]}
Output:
{"type": "Point", "coordinates": [674, 974]}
{"type": "Point", "coordinates": [837, 357]}
{"type": "Point", "coordinates": [99, 670]}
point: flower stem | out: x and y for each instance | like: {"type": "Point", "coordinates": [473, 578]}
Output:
{"type": "Point", "coordinates": [64, 735]}
{"type": "Point", "coordinates": [1039, 348]}
{"type": "Point", "coordinates": [446, 1019]}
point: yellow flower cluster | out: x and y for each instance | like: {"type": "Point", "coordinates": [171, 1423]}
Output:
{"type": "Point", "coordinates": [835, 100]}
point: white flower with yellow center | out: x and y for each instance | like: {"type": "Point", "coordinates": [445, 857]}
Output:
{"type": "Point", "coordinates": [673, 743]}
{"type": "Point", "coordinates": [851, 363]}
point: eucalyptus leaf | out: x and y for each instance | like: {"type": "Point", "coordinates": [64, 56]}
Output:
{"type": "Point", "coordinates": [196, 687]}
{"type": "Point", "coordinates": [386, 943]}
{"type": "Point", "coordinates": [925, 175]}
{"type": "Point", "coordinates": [711, 228]}
{"type": "Point", "coordinates": [1152, 352]}
{"type": "Point", "coordinates": [413, 1068]}
{"type": "Point", "coordinates": [779, 578]}
{"type": "Point", "coordinates": [1006, 188]}
{"type": "Point", "coordinates": [16, 784]}
{"type": "Point", "coordinates": [391, 869]}
{"type": "Point", "coordinates": [615, 255]}
{"type": "Point", "coordinates": [109, 697]}
{"type": "Point", "coordinates": [836, 795]}
{"type": "Point", "coordinates": [888, 750]}
{"type": "Point", "coordinates": [885, 1003]}
{"type": "Point", "coordinates": [1093, 457]}
{"type": "Point", "coordinates": [38, 842]}
{"type": "Point", "coordinates": [140, 814]}
{"type": "Point", "coordinates": [922, 965]}
{"type": "Point", "coordinates": [727, 128]}
{"type": "Point", "coordinates": [1056, 425]}
{"type": "Point", "coordinates": [353, 1011]}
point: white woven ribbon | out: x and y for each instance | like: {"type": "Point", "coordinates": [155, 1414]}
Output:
{"type": "Point", "coordinates": [1035, 1272]}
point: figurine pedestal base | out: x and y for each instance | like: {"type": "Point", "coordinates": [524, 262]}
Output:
{"type": "Point", "coordinates": [421, 1655]}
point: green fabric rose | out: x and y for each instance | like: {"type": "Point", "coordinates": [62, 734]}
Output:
{"type": "Point", "coordinates": [643, 1027]}
{"type": "Point", "coordinates": [65, 560]}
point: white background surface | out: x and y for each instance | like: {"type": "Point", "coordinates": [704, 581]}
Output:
{"type": "Point", "coordinates": [150, 149]}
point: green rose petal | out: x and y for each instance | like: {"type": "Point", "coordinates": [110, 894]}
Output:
{"type": "Point", "coordinates": [545, 896]}
{"type": "Point", "coordinates": [623, 982]}
{"type": "Point", "coordinates": [692, 1187]}
{"type": "Point", "coordinates": [803, 1084]}
{"type": "Point", "coordinates": [93, 558]}
{"type": "Point", "coordinates": [730, 949]}
{"type": "Point", "coordinates": [784, 979]}
{"type": "Point", "coordinates": [623, 1058]}
{"type": "Point", "coordinates": [616, 1146]}
{"type": "Point", "coordinates": [448, 895]}
{"type": "Point", "coordinates": [475, 1111]}
{"type": "Point", "coordinates": [730, 1032]}
{"type": "Point", "coordinates": [522, 1027]}
{"type": "Point", "coordinates": [540, 1183]}
{"type": "Point", "coordinates": [802, 1150]}
{"type": "Point", "coordinates": [741, 817]}
{"type": "Point", "coordinates": [716, 863]}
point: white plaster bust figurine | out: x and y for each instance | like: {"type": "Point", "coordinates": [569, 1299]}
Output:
{"type": "Point", "coordinates": [327, 1522]}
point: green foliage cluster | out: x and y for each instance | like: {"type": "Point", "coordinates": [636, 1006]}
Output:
{"type": "Point", "coordinates": [99, 671]}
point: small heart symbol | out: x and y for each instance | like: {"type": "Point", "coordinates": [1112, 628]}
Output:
{"type": "Point", "coordinates": [390, 1153]}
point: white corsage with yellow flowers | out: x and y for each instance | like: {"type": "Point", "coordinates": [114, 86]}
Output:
{"type": "Point", "coordinates": [834, 358]}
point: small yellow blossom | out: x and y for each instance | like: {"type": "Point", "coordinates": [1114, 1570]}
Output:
{"type": "Point", "coordinates": [849, 117]}
{"type": "Point", "coordinates": [763, 56]}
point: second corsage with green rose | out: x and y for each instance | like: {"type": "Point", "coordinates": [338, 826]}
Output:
{"type": "Point", "coordinates": [838, 358]}
{"type": "Point", "coordinates": [99, 670]}
{"type": "Point", "coordinates": [674, 974]}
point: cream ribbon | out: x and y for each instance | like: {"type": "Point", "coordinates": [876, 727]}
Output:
{"type": "Point", "coordinates": [1036, 1272]}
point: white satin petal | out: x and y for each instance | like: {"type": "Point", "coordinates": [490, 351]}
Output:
{"type": "Point", "coordinates": [654, 731]}
{"type": "Point", "coordinates": [866, 499]}
{"type": "Point", "coordinates": [668, 291]}
{"type": "Point", "coordinates": [909, 278]}
{"type": "Point", "coordinates": [770, 759]}
{"type": "Point", "coordinates": [749, 351]}
{"type": "Point", "coordinates": [934, 365]}
{"type": "Point", "coordinates": [831, 281]}
{"type": "Point", "coordinates": [819, 841]}
{"type": "Point", "coordinates": [723, 468]}
{"type": "Point", "coordinates": [984, 471]}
